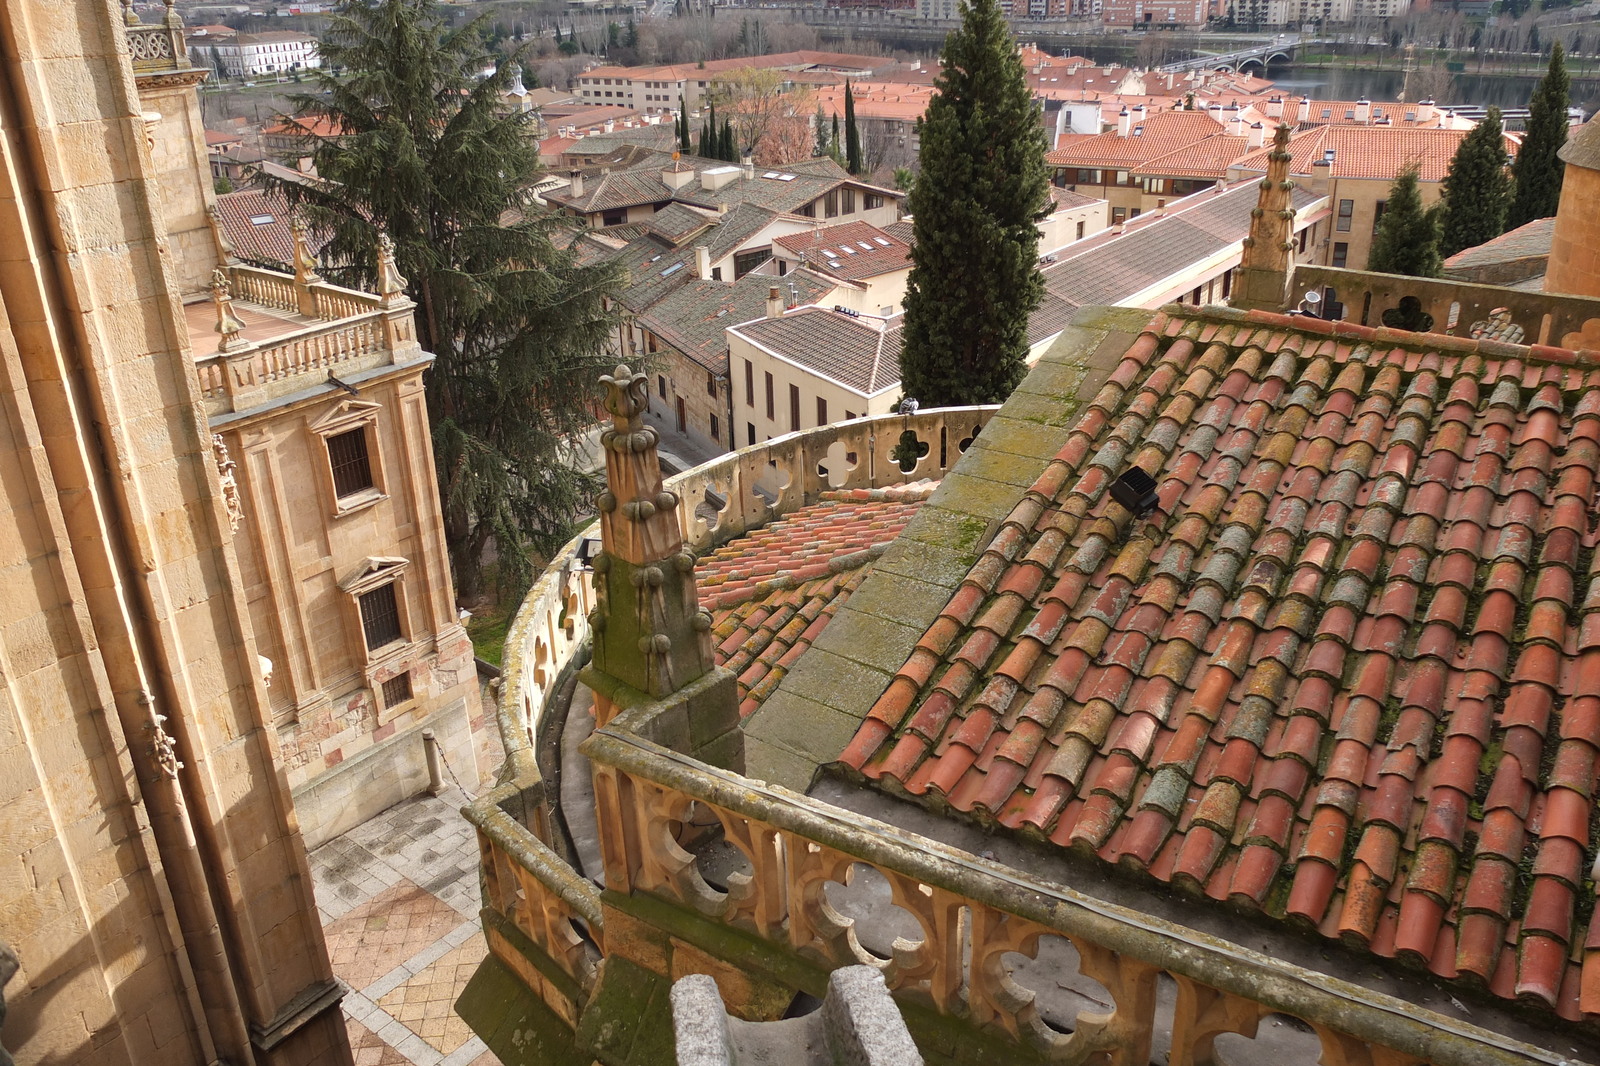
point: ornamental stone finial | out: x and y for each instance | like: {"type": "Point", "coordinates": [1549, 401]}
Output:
{"type": "Point", "coordinates": [305, 264]}
{"type": "Point", "coordinates": [391, 286]}
{"type": "Point", "coordinates": [627, 397]}
{"type": "Point", "coordinates": [129, 15]}
{"type": "Point", "coordinates": [229, 325]}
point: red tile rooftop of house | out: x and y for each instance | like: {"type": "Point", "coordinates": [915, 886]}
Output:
{"type": "Point", "coordinates": [772, 591]}
{"type": "Point", "coordinates": [1348, 674]}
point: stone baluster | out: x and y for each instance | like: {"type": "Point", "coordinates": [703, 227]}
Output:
{"type": "Point", "coordinates": [229, 325]}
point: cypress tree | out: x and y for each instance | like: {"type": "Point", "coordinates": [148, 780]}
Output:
{"type": "Point", "coordinates": [833, 145]}
{"type": "Point", "coordinates": [708, 134]}
{"type": "Point", "coordinates": [516, 325]}
{"type": "Point", "coordinates": [983, 186]}
{"type": "Point", "coordinates": [852, 135]}
{"type": "Point", "coordinates": [730, 153]}
{"type": "Point", "coordinates": [1477, 189]}
{"type": "Point", "coordinates": [1407, 241]}
{"type": "Point", "coordinates": [821, 123]}
{"type": "Point", "coordinates": [1537, 174]}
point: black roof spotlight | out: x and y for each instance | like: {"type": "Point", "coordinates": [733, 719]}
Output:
{"type": "Point", "coordinates": [1136, 490]}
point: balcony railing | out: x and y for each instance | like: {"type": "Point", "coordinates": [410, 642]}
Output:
{"type": "Point", "coordinates": [970, 914]}
{"type": "Point", "coordinates": [355, 331]}
{"type": "Point", "coordinates": [1456, 308]}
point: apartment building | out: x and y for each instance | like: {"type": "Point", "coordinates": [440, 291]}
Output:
{"type": "Point", "coordinates": [1358, 164]}
{"type": "Point", "coordinates": [670, 88]}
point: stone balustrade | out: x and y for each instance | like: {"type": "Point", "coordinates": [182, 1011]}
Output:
{"type": "Point", "coordinates": [970, 915]}
{"type": "Point", "coordinates": [1456, 308]}
{"type": "Point", "coordinates": [157, 48]}
{"type": "Point", "coordinates": [354, 332]}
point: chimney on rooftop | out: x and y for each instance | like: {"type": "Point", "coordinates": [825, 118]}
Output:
{"type": "Point", "coordinates": [748, 161]}
{"type": "Point", "coordinates": [1305, 109]}
{"type": "Point", "coordinates": [1321, 175]}
{"type": "Point", "coordinates": [1124, 123]}
{"type": "Point", "coordinates": [576, 187]}
{"type": "Point", "coordinates": [774, 303]}
{"type": "Point", "coordinates": [1258, 135]}
{"type": "Point", "coordinates": [702, 262]}
{"type": "Point", "coordinates": [1262, 279]}
{"type": "Point", "coordinates": [677, 175]}
{"type": "Point", "coordinates": [1363, 111]}
{"type": "Point", "coordinates": [1275, 107]}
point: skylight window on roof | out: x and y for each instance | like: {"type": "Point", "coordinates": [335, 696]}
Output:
{"type": "Point", "coordinates": [882, 241]}
{"type": "Point", "coordinates": [865, 246]}
{"type": "Point", "coordinates": [673, 269]}
{"type": "Point", "coordinates": [262, 220]}
{"type": "Point", "coordinates": [772, 174]}
{"type": "Point", "coordinates": [847, 249]}
{"type": "Point", "coordinates": [785, 177]}
{"type": "Point", "coordinates": [829, 252]}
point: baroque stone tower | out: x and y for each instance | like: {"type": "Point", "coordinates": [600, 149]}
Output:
{"type": "Point", "coordinates": [1263, 278]}
{"type": "Point", "coordinates": [1574, 266]}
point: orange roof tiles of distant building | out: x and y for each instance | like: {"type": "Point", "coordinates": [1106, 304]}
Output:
{"type": "Point", "coordinates": [1157, 135]}
{"type": "Point", "coordinates": [1377, 152]}
{"type": "Point", "coordinates": [305, 125]}
{"type": "Point", "coordinates": [1208, 158]}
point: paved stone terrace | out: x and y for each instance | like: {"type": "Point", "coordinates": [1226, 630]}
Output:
{"type": "Point", "coordinates": [399, 899]}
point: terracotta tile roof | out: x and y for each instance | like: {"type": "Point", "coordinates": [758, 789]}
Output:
{"type": "Point", "coordinates": [851, 251]}
{"type": "Point", "coordinates": [859, 352]}
{"type": "Point", "coordinates": [1377, 152]}
{"type": "Point", "coordinates": [695, 315]}
{"type": "Point", "coordinates": [1347, 675]}
{"type": "Point", "coordinates": [677, 222]}
{"type": "Point", "coordinates": [1209, 158]}
{"type": "Point", "coordinates": [256, 223]}
{"type": "Point", "coordinates": [1164, 133]}
{"type": "Point", "coordinates": [772, 591]}
{"type": "Point", "coordinates": [1067, 199]}
{"type": "Point", "coordinates": [1528, 241]}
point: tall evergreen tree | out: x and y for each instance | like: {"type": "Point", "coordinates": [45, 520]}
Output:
{"type": "Point", "coordinates": [683, 127]}
{"type": "Point", "coordinates": [1407, 241]}
{"type": "Point", "coordinates": [1477, 189]}
{"type": "Point", "coordinates": [730, 153]}
{"type": "Point", "coordinates": [709, 134]}
{"type": "Point", "coordinates": [833, 144]}
{"type": "Point", "coordinates": [1538, 170]}
{"type": "Point", "coordinates": [516, 325]}
{"type": "Point", "coordinates": [852, 135]}
{"type": "Point", "coordinates": [821, 125]}
{"type": "Point", "coordinates": [982, 188]}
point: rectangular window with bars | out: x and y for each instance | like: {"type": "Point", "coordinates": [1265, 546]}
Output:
{"type": "Point", "coordinates": [380, 617]}
{"type": "Point", "coordinates": [397, 690]}
{"type": "Point", "coordinates": [347, 455]}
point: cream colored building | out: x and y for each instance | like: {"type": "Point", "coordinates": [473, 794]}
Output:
{"type": "Point", "coordinates": [811, 367]}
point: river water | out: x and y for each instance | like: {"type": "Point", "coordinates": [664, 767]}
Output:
{"type": "Point", "coordinates": [1468, 88]}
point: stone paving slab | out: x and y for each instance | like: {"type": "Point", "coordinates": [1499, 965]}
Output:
{"type": "Point", "coordinates": [398, 897]}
